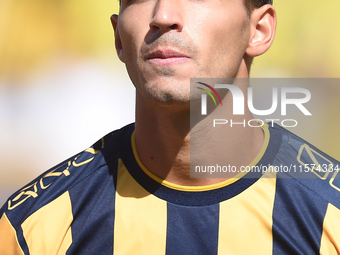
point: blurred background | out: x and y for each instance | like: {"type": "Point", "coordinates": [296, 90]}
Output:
{"type": "Point", "coordinates": [62, 86]}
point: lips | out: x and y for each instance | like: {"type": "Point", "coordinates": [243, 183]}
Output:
{"type": "Point", "coordinates": [167, 57]}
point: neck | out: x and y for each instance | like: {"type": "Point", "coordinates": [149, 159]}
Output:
{"type": "Point", "coordinates": [164, 140]}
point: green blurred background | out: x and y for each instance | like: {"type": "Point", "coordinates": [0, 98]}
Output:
{"type": "Point", "coordinates": [62, 86]}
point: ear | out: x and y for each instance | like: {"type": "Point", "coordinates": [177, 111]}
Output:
{"type": "Point", "coordinates": [263, 26]}
{"type": "Point", "coordinates": [118, 42]}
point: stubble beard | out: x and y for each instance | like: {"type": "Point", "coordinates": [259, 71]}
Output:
{"type": "Point", "coordinates": [166, 91]}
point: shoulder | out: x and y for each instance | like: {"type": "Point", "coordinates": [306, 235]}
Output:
{"type": "Point", "coordinates": [84, 170]}
{"type": "Point", "coordinates": [303, 168]}
{"type": "Point", "coordinates": [299, 154]}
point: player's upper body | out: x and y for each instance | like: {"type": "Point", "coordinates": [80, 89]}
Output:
{"type": "Point", "coordinates": [105, 201]}
{"type": "Point", "coordinates": [137, 197]}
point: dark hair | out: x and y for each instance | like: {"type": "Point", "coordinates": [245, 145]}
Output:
{"type": "Point", "coordinates": [252, 4]}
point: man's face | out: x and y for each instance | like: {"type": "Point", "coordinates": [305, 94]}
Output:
{"type": "Point", "coordinates": [164, 43]}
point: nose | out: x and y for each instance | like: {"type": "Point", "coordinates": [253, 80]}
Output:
{"type": "Point", "coordinates": [167, 16]}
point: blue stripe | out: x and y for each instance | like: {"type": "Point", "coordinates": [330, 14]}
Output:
{"type": "Point", "coordinates": [297, 218]}
{"type": "Point", "coordinates": [192, 230]}
{"type": "Point", "coordinates": [22, 240]}
{"type": "Point", "coordinates": [93, 206]}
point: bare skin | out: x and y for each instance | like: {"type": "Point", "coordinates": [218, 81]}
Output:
{"type": "Point", "coordinates": [166, 42]}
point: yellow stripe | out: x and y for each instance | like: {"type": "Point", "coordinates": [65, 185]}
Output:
{"type": "Point", "coordinates": [9, 244]}
{"type": "Point", "coordinates": [330, 240]}
{"type": "Point", "coordinates": [246, 221]}
{"type": "Point", "coordinates": [265, 129]}
{"type": "Point", "coordinates": [48, 230]}
{"type": "Point", "coordinates": [140, 218]}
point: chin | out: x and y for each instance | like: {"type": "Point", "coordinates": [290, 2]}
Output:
{"type": "Point", "coordinates": [166, 98]}
{"type": "Point", "coordinates": [165, 92]}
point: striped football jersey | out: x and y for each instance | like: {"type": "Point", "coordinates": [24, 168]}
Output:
{"type": "Point", "coordinates": [104, 201]}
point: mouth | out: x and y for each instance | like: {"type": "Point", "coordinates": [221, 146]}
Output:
{"type": "Point", "coordinates": [167, 56]}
